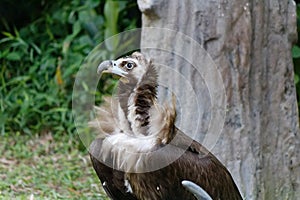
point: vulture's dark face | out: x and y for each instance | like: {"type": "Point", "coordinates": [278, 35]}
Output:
{"type": "Point", "coordinates": [133, 66]}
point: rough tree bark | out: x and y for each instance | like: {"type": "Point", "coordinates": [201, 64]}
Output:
{"type": "Point", "coordinates": [250, 41]}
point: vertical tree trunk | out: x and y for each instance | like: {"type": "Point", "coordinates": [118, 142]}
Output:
{"type": "Point", "coordinates": [250, 41]}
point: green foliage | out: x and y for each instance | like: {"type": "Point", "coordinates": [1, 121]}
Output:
{"type": "Point", "coordinates": [39, 61]}
{"type": "Point", "coordinates": [296, 58]}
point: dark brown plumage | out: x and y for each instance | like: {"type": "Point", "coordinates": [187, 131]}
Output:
{"type": "Point", "coordinates": [140, 154]}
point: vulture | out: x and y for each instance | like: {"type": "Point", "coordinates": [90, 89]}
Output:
{"type": "Point", "coordinates": [139, 153]}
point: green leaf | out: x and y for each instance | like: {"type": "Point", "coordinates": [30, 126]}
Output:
{"type": "Point", "coordinates": [19, 79]}
{"type": "Point", "coordinates": [14, 56]}
{"type": "Point", "coordinates": [296, 52]}
{"type": "Point", "coordinates": [66, 44]}
{"type": "Point", "coordinates": [36, 48]}
{"type": "Point", "coordinates": [76, 28]}
{"type": "Point", "coordinates": [7, 39]}
{"type": "Point", "coordinates": [92, 3]}
{"type": "Point", "coordinates": [9, 35]}
{"type": "Point", "coordinates": [111, 13]}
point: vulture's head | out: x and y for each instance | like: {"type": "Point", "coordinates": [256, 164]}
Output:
{"type": "Point", "coordinates": [136, 91]}
{"type": "Point", "coordinates": [131, 68]}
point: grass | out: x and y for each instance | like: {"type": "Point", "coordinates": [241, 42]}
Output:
{"type": "Point", "coordinates": [46, 167]}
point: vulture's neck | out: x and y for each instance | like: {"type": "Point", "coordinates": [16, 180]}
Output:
{"type": "Point", "coordinates": [136, 100]}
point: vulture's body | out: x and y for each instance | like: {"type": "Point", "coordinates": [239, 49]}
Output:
{"type": "Point", "coordinates": [140, 154]}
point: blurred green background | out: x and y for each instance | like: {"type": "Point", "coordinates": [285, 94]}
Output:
{"type": "Point", "coordinates": [42, 46]}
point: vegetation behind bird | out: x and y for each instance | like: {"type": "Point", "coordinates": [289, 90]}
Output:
{"type": "Point", "coordinates": [40, 58]}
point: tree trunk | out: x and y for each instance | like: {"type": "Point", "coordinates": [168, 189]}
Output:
{"type": "Point", "coordinates": [250, 42]}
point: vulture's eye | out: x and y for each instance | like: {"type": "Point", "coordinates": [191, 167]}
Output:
{"type": "Point", "coordinates": [129, 65]}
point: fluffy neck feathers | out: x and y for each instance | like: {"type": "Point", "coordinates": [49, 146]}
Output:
{"type": "Point", "coordinates": [136, 99]}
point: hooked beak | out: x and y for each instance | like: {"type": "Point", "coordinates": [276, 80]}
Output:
{"type": "Point", "coordinates": [108, 66]}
